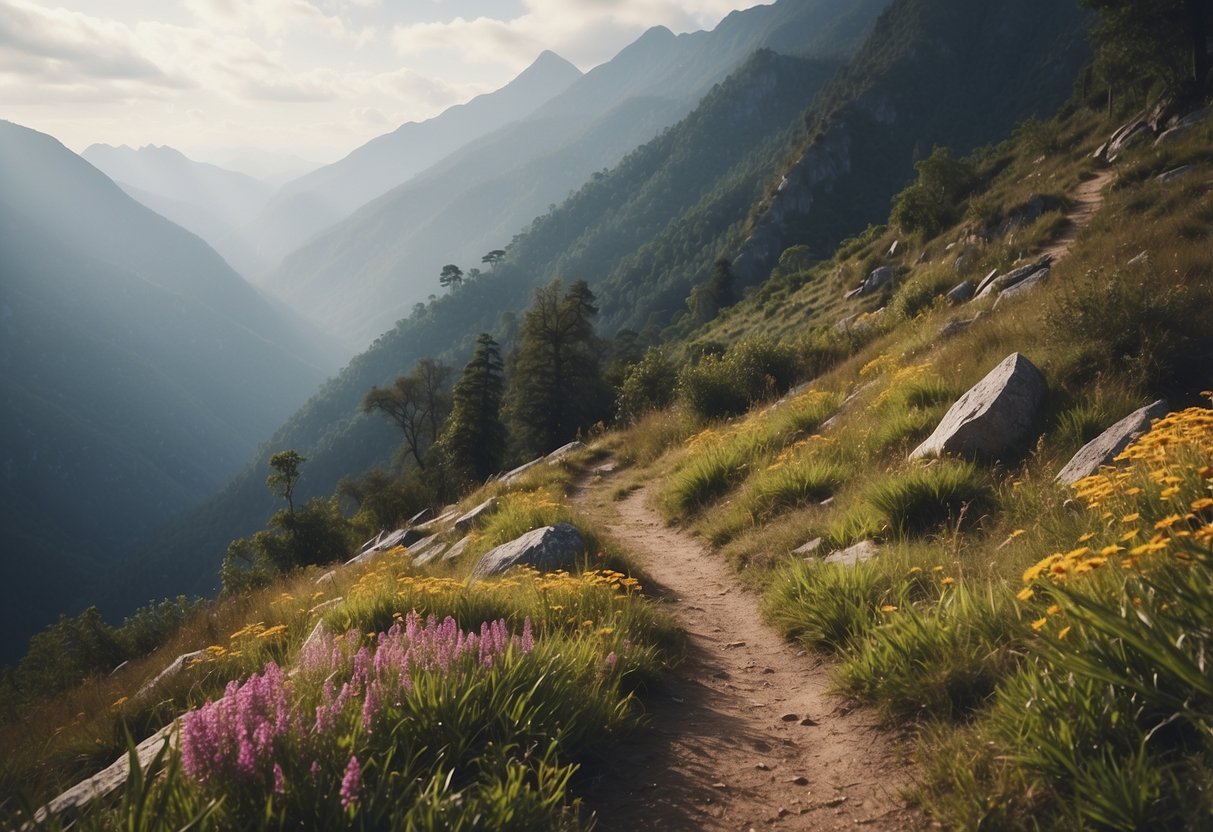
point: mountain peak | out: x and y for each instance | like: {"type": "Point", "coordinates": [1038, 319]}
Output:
{"type": "Point", "coordinates": [547, 66]}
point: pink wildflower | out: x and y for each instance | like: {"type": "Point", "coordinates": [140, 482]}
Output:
{"type": "Point", "coordinates": [351, 783]}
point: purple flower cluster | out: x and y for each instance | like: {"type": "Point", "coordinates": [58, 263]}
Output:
{"type": "Point", "coordinates": [233, 738]}
{"type": "Point", "coordinates": [242, 738]}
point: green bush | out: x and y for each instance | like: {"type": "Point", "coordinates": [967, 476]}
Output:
{"type": "Point", "coordinates": [792, 484]}
{"type": "Point", "coordinates": [649, 385]}
{"type": "Point", "coordinates": [726, 385]}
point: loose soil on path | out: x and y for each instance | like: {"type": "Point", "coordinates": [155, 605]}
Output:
{"type": "Point", "coordinates": [744, 736]}
{"type": "Point", "coordinates": [1088, 197]}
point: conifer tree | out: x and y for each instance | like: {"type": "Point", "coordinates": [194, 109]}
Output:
{"type": "Point", "coordinates": [556, 386]}
{"type": "Point", "coordinates": [474, 438]}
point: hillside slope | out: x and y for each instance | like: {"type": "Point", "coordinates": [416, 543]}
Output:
{"type": "Point", "coordinates": [690, 230]}
{"type": "Point", "coordinates": [139, 372]}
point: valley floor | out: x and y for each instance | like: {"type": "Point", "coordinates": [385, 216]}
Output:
{"type": "Point", "coordinates": [745, 734]}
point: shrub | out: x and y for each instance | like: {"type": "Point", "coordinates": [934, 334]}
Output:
{"type": "Point", "coordinates": [750, 370]}
{"type": "Point", "coordinates": [930, 204]}
{"type": "Point", "coordinates": [919, 293]}
{"type": "Point", "coordinates": [649, 385]}
{"type": "Point", "coordinates": [1132, 322]}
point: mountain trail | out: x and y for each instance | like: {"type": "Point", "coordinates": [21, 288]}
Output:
{"type": "Point", "coordinates": [1088, 198]}
{"type": "Point", "coordinates": [744, 735]}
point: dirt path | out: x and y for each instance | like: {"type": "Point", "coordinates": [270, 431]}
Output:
{"type": "Point", "coordinates": [744, 736]}
{"type": "Point", "coordinates": [1088, 197]}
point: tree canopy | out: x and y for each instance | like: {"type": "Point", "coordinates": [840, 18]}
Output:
{"type": "Point", "coordinates": [474, 439]}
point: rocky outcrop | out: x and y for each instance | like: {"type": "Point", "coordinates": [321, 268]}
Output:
{"type": "Point", "coordinates": [857, 553]}
{"type": "Point", "coordinates": [546, 549]}
{"type": "Point", "coordinates": [175, 668]}
{"type": "Point", "coordinates": [996, 284]}
{"type": "Point", "coordinates": [826, 161]}
{"type": "Point", "coordinates": [106, 782]}
{"type": "Point", "coordinates": [878, 278]}
{"type": "Point", "coordinates": [465, 522]}
{"type": "Point", "coordinates": [1024, 286]}
{"type": "Point", "coordinates": [1102, 450]}
{"type": "Point", "coordinates": [458, 549]}
{"type": "Point", "coordinates": [961, 292]}
{"type": "Point", "coordinates": [993, 417]}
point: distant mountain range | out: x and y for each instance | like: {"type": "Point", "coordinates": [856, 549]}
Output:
{"type": "Point", "coordinates": [140, 371]}
{"type": "Point", "coordinates": [327, 195]}
{"type": "Point", "coordinates": [206, 199]}
{"type": "Point", "coordinates": [362, 275]}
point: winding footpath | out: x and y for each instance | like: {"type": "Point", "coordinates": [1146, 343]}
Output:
{"type": "Point", "coordinates": [745, 735]}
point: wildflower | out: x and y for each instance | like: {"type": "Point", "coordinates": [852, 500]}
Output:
{"type": "Point", "coordinates": [947, 582]}
{"type": "Point", "coordinates": [279, 780]}
{"type": "Point", "coordinates": [915, 570]}
{"type": "Point", "coordinates": [1025, 594]}
{"type": "Point", "coordinates": [1202, 504]}
{"type": "Point", "coordinates": [1039, 624]}
{"type": "Point", "coordinates": [889, 608]}
{"type": "Point", "coordinates": [1131, 518]}
{"type": "Point", "coordinates": [1086, 537]}
{"type": "Point", "coordinates": [277, 629]}
{"type": "Point", "coordinates": [351, 783]}
{"type": "Point", "coordinates": [1055, 609]}
{"type": "Point", "coordinates": [1063, 632]}
{"type": "Point", "coordinates": [119, 702]}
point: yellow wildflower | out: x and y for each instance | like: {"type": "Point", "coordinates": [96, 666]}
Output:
{"type": "Point", "coordinates": [1039, 624]}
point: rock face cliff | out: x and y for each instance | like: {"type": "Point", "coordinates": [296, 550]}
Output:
{"type": "Point", "coordinates": [984, 68]}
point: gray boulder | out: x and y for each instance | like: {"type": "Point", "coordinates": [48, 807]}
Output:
{"type": "Point", "coordinates": [1175, 173]}
{"type": "Point", "coordinates": [984, 282]}
{"type": "Point", "coordinates": [961, 292]}
{"type": "Point", "coordinates": [808, 548]}
{"type": "Point", "coordinates": [1011, 278]}
{"type": "Point", "coordinates": [879, 277]}
{"type": "Point", "coordinates": [564, 450]}
{"type": "Point", "coordinates": [1102, 450]}
{"type": "Point", "coordinates": [458, 549]}
{"type": "Point", "coordinates": [178, 665]}
{"type": "Point", "coordinates": [547, 549]}
{"type": "Point", "coordinates": [465, 521]}
{"type": "Point", "coordinates": [1024, 286]}
{"type": "Point", "coordinates": [992, 417]}
{"type": "Point", "coordinates": [860, 552]}
{"type": "Point", "coordinates": [954, 328]}
{"type": "Point", "coordinates": [510, 476]}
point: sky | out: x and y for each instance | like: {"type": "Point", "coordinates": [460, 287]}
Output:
{"type": "Point", "coordinates": [309, 78]}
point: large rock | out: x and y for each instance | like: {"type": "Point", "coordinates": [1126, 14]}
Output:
{"type": "Point", "coordinates": [1006, 281]}
{"type": "Point", "coordinates": [546, 549]}
{"type": "Point", "coordinates": [1102, 450]}
{"type": "Point", "coordinates": [994, 416]}
{"type": "Point", "coordinates": [465, 522]}
{"type": "Point", "coordinates": [860, 552]}
{"type": "Point", "coordinates": [961, 292]}
{"type": "Point", "coordinates": [458, 549]}
{"type": "Point", "coordinates": [564, 450]}
{"type": "Point", "coordinates": [175, 668]}
{"type": "Point", "coordinates": [1024, 286]}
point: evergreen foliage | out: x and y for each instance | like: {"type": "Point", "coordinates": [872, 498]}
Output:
{"type": "Point", "coordinates": [556, 388]}
{"type": "Point", "coordinates": [474, 439]}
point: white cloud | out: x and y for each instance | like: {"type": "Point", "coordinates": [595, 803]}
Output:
{"type": "Point", "coordinates": [320, 75]}
{"type": "Point", "coordinates": [587, 32]}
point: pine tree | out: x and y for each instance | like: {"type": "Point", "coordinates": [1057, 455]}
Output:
{"type": "Point", "coordinates": [556, 386]}
{"type": "Point", "coordinates": [474, 438]}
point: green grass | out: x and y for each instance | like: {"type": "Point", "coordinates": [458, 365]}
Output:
{"type": "Point", "coordinates": [923, 498]}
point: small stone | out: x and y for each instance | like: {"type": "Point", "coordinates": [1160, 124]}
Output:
{"type": "Point", "coordinates": [799, 780]}
{"type": "Point", "coordinates": [809, 722]}
{"type": "Point", "coordinates": [835, 801]}
{"type": "Point", "coordinates": [790, 717]}
{"type": "Point", "coordinates": [719, 786]}
{"type": "Point", "coordinates": [762, 767]}
{"type": "Point", "coordinates": [733, 644]}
